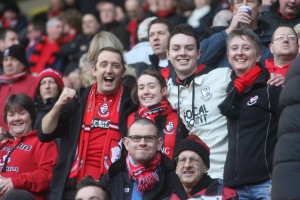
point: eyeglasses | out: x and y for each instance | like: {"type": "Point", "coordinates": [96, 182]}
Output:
{"type": "Point", "coordinates": [138, 138]}
{"type": "Point", "coordinates": [281, 37]}
{"type": "Point", "coordinates": [182, 160]}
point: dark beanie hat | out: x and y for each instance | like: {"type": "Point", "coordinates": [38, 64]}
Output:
{"type": "Point", "coordinates": [193, 143]}
{"type": "Point", "coordinates": [17, 52]}
{"type": "Point", "coordinates": [49, 72]}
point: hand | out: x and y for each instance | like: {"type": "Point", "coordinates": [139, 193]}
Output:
{"type": "Point", "coordinates": [276, 79]}
{"type": "Point", "coordinates": [5, 185]}
{"type": "Point", "coordinates": [240, 17]}
{"type": "Point", "coordinates": [66, 96]}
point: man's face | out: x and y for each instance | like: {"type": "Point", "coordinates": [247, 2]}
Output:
{"type": "Point", "coordinates": [56, 30]}
{"type": "Point", "coordinates": [133, 9]}
{"type": "Point", "coordinates": [150, 91]}
{"type": "Point", "coordinates": [90, 193]}
{"type": "Point", "coordinates": [90, 25]}
{"type": "Point", "coordinates": [11, 38]}
{"type": "Point", "coordinates": [48, 88]}
{"type": "Point", "coordinates": [158, 37]}
{"type": "Point", "coordinates": [253, 4]}
{"type": "Point", "coordinates": [190, 168]}
{"type": "Point", "coordinates": [289, 7]}
{"type": "Point", "coordinates": [108, 72]}
{"type": "Point", "coordinates": [166, 5]}
{"type": "Point", "coordinates": [12, 66]}
{"type": "Point", "coordinates": [107, 12]}
{"type": "Point", "coordinates": [183, 55]}
{"type": "Point", "coordinates": [142, 152]}
{"type": "Point", "coordinates": [242, 55]}
{"type": "Point", "coordinates": [285, 44]}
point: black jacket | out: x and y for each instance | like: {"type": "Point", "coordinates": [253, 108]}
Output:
{"type": "Point", "coordinates": [116, 181]}
{"type": "Point", "coordinates": [287, 153]}
{"type": "Point", "coordinates": [68, 129]}
{"type": "Point", "coordinates": [252, 136]}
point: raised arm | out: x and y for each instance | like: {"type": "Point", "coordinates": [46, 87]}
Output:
{"type": "Point", "coordinates": [50, 121]}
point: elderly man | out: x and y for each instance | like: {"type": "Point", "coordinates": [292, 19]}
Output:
{"type": "Point", "coordinates": [15, 78]}
{"type": "Point", "coordinates": [284, 47]}
{"type": "Point", "coordinates": [88, 124]}
{"type": "Point", "coordinates": [50, 86]}
{"type": "Point", "coordinates": [192, 163]}
{"type": "Point", "coordinates": [142, 173]}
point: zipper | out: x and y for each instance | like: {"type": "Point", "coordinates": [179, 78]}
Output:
{"type": "Point", "coordinates": [236, 157]}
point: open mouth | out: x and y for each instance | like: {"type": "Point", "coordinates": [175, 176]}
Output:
{"type": "Point", "coordinates": [108, 79]}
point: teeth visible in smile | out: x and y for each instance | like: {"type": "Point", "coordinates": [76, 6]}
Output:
{"type": "Point", "coordinates": [108, 79]}
{"type": "Point", "coordinates": [240, 60]}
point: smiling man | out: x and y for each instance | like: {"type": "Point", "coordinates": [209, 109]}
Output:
{"type": "Point", "coordinates": [88, 124]}
{"type": "Point", "coordinates": [192, 163]}
{"type": "Point", "coordinates": [142, 173]}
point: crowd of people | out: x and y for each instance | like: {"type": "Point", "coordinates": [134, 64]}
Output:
{"type": "Point", "coordinates": [148, 99]}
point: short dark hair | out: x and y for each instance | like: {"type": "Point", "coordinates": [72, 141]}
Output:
{"type": "Point", "coordinates": [254, 39]}
{"type": "Point", "coordinates": [154, 73]}
{"type": "Point", "coordinates": [233, 2]}
{"type": "Point", "coordinates": [19, 102]}
{"type": "Point", "coordinates": [112, 49]}
{"type": "Point", "coordinates": [161, 21]}
{"type": "Point", "coordinates": [145, 121]}
{"type": "Point", "coordinates": [89, 181]}
{"type": "Point", "coordinates": [4, 30]}
{"type": "Point", "coordinates": [186, 30]}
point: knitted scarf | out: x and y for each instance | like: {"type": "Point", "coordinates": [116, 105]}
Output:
{"type": "Point", "coordinates": [229, 107]}
{"type": "Point", "coordinates": [14, 78]}
{"type": "Point", "coordinates": [111, 141]}
{"type": "Point", "coordinates": [146, 176]}
{"type": "Point", "coordinates": [34, 60]}
{"type": "Point", "coordinates": [159, 113]}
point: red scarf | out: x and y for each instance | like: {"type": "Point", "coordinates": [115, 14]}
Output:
{"type": "Point", "coordinates": [146, 177]}
{"type": "Point", "coordinates": [14, 78]}
{"type": "Point", "coordinates": [112, 137]}
{"type": "Point", "coordinates": [165, 13]}
{"type": "Point", "coordinates": [242, 82]}
{"type": "Point", "coordinates": [272, 68]}
{"type": "Point", "coordinates": [284, 16]}
{"type": "Point", "coordinates": [132, 28]}
{"type": "Point", "coordinates": [166, 114]}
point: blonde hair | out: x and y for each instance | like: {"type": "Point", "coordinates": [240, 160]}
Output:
{"type": "Point", "coordinates": [101, 40]}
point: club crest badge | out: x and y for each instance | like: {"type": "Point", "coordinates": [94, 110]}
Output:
{"type": "Point", "coordinates": [205, 93]}
{"type": "Point", "coordinates": [103, 110]}
{"type": "Point", "coordinates": [169, 128]}
{"type": "Point", "coordinates": [252, 100]}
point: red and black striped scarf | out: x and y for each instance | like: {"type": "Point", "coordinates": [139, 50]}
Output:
{"type": "Point", "coordinates": [34, 64]}
{"type": "Point", "coordinates": [112, 137]}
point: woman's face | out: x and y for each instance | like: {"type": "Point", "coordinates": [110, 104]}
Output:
{"type": "Point", "coordinates": [19, 122]}
{"type": "Point", "coordinates": [242, 55]}
{"type": "Point", "coordinates": [150, 91]}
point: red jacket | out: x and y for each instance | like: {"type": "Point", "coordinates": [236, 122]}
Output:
{"type": "Point", "coordinates": [20, 83]}
{"type": "Point", "coordinates": [30, 165]}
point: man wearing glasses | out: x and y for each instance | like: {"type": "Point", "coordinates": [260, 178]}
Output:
{"type": "Point", "coordinates": [284, 47]}
{"type": "Point", "coordinates": [142, 173]}
{"type": "Point", "coordinates": [192, 163]}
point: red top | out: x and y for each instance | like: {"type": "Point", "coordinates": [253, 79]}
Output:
{"type": "Point", "coordinates": [272, 68]}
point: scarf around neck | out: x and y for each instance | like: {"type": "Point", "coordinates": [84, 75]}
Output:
{"type": "Point", "coordinates": [145, 176]}
{"type": "Point", "coordinates": [229, 107]}
{"type": "Point", "coordinates": [11, 79]}
{"type": "Point", "coordinates": [111, 141]}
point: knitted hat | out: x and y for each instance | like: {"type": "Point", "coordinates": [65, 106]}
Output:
{"type": "Point", "coordinates": [193, 143]}
{"type": "Point", "coordinates": [17, 52]}
{"type": "Point", "coordinates": [50, 72]}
